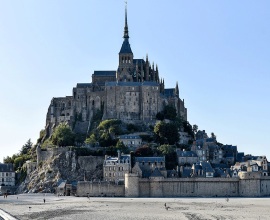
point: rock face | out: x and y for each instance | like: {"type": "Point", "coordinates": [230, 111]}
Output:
{"type": "Point", "coordinates": [65, 166]}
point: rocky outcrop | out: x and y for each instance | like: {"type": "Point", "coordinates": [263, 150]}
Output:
{"type": "Point", "coordinates": [64, 166]}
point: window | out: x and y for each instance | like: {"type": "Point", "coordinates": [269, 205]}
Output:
{"type": "Point", "coordinates": [106, 174]}
{"type": "Point", "coordinates": [143, 163]}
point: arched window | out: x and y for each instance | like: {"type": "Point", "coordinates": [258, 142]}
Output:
{"type": "Point", "coordinates": [93, 102]}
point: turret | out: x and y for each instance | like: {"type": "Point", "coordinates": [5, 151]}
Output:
{"type": "Point", "coordinates": [153, 72]}
{"type": "Point", "coordinates": [176, 90]}
{"type": "Point", "coordinates": [157, 74]}
{"type": "Point", "coordinates": [147, 69]}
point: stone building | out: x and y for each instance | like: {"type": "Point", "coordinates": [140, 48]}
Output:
{"type": "Point", "coordinates": [147, 166]}
{"type": "Point", "coordinates": [115, 168]}
{"type": "Point", "coordinates": [131, 140]}
{"type": "Point", "coordinates": [7, 175]}
{"type": "Point", "coordinates": [134, 93]}
{"type": "Point", "coordinates": [187, 158]}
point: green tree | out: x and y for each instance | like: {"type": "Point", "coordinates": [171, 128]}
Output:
{"type": "Point", "coordinates": [106, 140]}
{"type": "Point", "coordinates": [63, 136]}
{"type": "Point", "coordinates": [47, 144]}
{"type": "Point", "coordinates": [166, 133]}
{"type": "Point", "coordinates": [160, 116]}
{"type": "Point", "coordinates": [166, 149]}
{"type": "Point", "coordinates": [112, 151]}
{"type": "Point", "coordinates": [170, 156]}
{"type": "Point", "coordinates": [104, 125]}
{"type": "Point", "coordinates": [17, 162]}
{"type": "Point", "coordinates": [169, 112]}
{"type": "Point", "coordinates": [42, 133]}
{"type": "Point", "coordinates": [123, 148]}
{"type": "Point", "coordinates": [26, 147]}
{"type": "Point", "coordinates": [91, 139]}
{"type": "Point", "coordinates": [144, 151]}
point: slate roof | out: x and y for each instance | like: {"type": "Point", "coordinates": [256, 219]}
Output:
{"type": "Point", "coordinates": [239, 156]}
{"type": "Point", "coordinates": [169, 92]}
{"type": "Point", "coordinates": [151, 159]}
{"type": "Point", "coordinates": [145, 83]}
{"type": "Point", "coordinates": [187, 171]}
{"type": "Point", "coordinates": [125, 47]}
{"type": "Point", "coordinates": [229, 147]}
{"type": "Point", "coordinates": [104, 73]}
{"type": "Point", "coordinates": [186, 154]}
{"type": "Point", "coordinates": [228, 155]}
{"type": "Point", "coordinates": [200, 142]}
{"type": "Point", "coordinates": [130, 137]}
{"type": "Point", "coordinates": [84, 85]}
{"type": "Point", "coordinates": [115, 159]}
{"type": "Point", "coordinates": [207, 167]}
{"type": "Point", "coordinates": [62, 183]}
{"type": "Point", "coordinates": [156, 173]}
{"type": "Point", "coordinates": [6, 167]}
{"type": "Point", "coordinates": [74, 183]}
{"type": "Point", "coordinates": [139, 61]}
{"type": "Point", "coordinates": [220, 165]}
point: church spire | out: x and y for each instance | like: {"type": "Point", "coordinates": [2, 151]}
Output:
{"type": "Point", "coordinates": [126, 25]}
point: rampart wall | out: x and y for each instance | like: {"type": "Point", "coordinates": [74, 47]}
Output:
{"type": "Point", "coordinates": [247, 185]}
{"type": "Point", "coordinates": [99, 189]}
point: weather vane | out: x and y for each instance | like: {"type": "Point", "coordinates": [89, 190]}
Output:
{"type": "Point", "coordinates": [125, 2]}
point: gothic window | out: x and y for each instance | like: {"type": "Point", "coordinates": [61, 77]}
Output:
{"type": "Point", "coordinates": [93, 102]}
{"type": "Point", "coordinates": [134, 103]}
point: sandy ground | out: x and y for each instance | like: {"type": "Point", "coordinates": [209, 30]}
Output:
{"type": "Point", "coordinates": [134, 208]}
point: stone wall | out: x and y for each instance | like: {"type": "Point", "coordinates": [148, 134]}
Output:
{"type": "Point", "coordinates": [51, 152]}
{"type": "Point", "coordinates": [99, 189]}
{"type": "Point", "coordinates": [90, 163]}
{"type": "Point", "coordinates": [248, 185]}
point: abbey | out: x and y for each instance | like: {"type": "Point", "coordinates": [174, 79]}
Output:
{"type": "Point", "coordinates": [133, 93]}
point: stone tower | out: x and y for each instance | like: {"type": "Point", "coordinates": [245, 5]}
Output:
{"type": "Point", "coordinates": [125, 68]}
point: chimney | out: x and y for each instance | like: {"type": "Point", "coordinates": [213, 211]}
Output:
{"type": "Point", "coordinates": [119, 154]}
{"type": "Point", "coordinates": [106, 157]}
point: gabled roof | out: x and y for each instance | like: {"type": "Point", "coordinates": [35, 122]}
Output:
{"type": "Point", "coordinates": [150, 159]}
{"type": "Point", "coordinates": [186, 154]}
{"type": "Point", "coordinates": [125, 47]}
{"type": "Point", "coordinates": [104, 73]}
{"type": "Point", "coordinates": [156, 173]}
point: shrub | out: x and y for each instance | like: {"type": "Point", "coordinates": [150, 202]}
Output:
{"type": "Point", "coordinates": [144, 151]}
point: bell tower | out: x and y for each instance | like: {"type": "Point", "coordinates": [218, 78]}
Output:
{"type": "Point", "coordinates": [125, 68]}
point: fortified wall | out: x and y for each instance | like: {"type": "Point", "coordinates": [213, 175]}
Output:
{"type": "Point", "coordinates": [49, 153]}
{"type": "Point", "coordinates": [249, 184]}
{"type": "Point", "coordinates": [101, 188]}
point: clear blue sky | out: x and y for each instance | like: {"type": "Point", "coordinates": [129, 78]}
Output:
{"type": "Point", "coordinates": [218, 51]}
